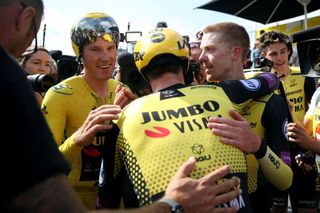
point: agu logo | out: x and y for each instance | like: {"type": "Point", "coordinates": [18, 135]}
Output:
{"type": "Point", "coordinates": [197, 149]}
{"type": "Point", "coordinates": [159, 132]}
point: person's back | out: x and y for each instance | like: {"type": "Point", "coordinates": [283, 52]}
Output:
{"type": "Point", "coordinates": [160, 130]}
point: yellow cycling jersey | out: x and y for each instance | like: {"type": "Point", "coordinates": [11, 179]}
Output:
{"type": "Point", "coordinates": [160, 131]}
{"type": "Point", "coordinates": [267, 117]}
{"type": "Point", "coordinates": [253, 113]}
{"type": "Point", "coordinates": [66, 107]}
{"type": "Point", "coordinates": [314, 114]}
{"type": "Point", "coordinates": [294, 88]}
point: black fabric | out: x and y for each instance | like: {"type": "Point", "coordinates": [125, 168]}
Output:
{"type": "Point", "coordinates": [29, 153]}
{"type": "Point", "coordinates": [238, 93]}
{"type": "Point", "coordinates": [274, 115]}
{"type": "Point", "coordinates": [109, 195]}
{"type": "Point", "coordinates": [261, 199]}
{"type": "Point", "coordinates": [262, 150]}
{"type": "Point", "coordinates": [309, 88]}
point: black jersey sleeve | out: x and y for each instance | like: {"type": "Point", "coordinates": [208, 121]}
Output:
{"type": "Point", "coordinates": [309, 88]}
{"type": "Point", "coordinates": [110, 182]}
{"type": "Point", "coordinates": [275, 119]}
{"type": "Point", "coordinates": [275, 164]}
{"type": "Point", "coordinates": [240, 91]}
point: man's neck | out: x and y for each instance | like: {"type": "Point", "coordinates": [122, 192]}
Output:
{"type": "Point", "coordinates": [233, 74]}
{"type": "Point", "coordinates": [166, 80]}
{"type": "Point", "coordinates": [99, 86]}
{"type": "Point", "coordinates": [282, 74]}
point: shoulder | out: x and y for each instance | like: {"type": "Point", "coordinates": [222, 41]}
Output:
{"type": "Point", "coordinates": [276, 106]}
{"type": "Point", "coordinates": [276, 99]}
{"type": "Point", "coordinates": [68, 86]}
{"type": "Point", "coordinates": [295, 70]}
{"type": "Point", "coordinates": [252, 74]}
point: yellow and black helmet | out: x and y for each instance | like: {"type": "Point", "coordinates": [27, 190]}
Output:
{"type": "Point", "coordinates": [160, 41]}
{"type": "Point", "coordinates": [92, 25]}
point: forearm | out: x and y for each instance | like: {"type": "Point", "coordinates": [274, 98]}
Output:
{"type": "Point", "coordinates": [278, 173]}
{"type": "Point", "coordinates": [53, 195]}
{"type": "Point", "coordinates": [156, 207]}
{"type": "Point", "coordinates": [268, 82]}
{"type": "Point", "coordinates": [311, 145]}
{"type": "Point", "coordinates": [69, 149]}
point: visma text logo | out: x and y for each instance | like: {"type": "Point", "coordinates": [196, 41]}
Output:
{"type": "Point", "coordinates": [160, 133]}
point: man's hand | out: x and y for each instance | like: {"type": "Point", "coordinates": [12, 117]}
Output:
{"type": "Point", "coordinates": [235, 132]}
{"type": "Point", "coordinates": [97, 120]}
{"type": "Point", "coordinates": [299, 135]}
{"type": "Point", "coordinates": [204, 194]}
{"type": "Point", "coordinates": [123, 96]}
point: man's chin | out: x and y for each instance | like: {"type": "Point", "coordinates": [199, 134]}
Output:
{"type": "Point", "coordinates": [210, 78]}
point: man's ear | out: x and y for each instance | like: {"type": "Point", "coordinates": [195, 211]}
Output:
{"type": "Point", "coordinates": [236, 52]}
{"type": "Point", "coordinates": [24, 20]}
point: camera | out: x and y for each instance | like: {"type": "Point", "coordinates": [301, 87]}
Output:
{"type": "Point", "coordinates": [307, 157]}
{"type": "Point", "coordinates": [193, 71]}
{"type": "Point", "coordinates": [130, 75]}
{"type": "Point", "coordinates": [67, 65]}
{"type": "Point", "coordinates": [42, 82]}
{"type": "Point", "coordinates": [263, 63]}
{"type": "Point", "coordinates": [308, 46]}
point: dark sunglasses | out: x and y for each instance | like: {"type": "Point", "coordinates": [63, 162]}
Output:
{"type": "Point", "coordinates": [199, 35]}
{"type": "Point", "coordinates": [35, 49]}
{"type": "Point", "coordinates": [195, 44]}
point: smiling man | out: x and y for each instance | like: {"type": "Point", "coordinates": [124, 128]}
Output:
{"type": "Point", "coordinates": [80, 107]}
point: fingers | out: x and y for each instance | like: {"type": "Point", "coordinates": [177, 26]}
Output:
{"type": "Point", "coordinates": [97, 118]}
{"type": "Point", "coordinates": [186, 168]}
{"type": "Point", "coordinates": [222, 130]}
{"type": "Point", "coordinates": [226, 197]}
{"type": "Point", "coordinates": [100, 117]}
{"type": "Point", "coordinates": [230, 141]}
{"type": "Point", "coordinates": [235, 115]}
{"type": "Point", "coordinates": [216, 175]}
{"type": "Point", "coordinates": [226, 210]}
{"type": "Point", "coordinates": [219, 120]}
{"type": "Point", "coordinates": [106, 110]}
{"type": "Point", "coordinates": [121, 101]}
{"type": "Point", "coordinates": [130, 95]}
{"type": "Point", "coordinates": [123, 97]}
{"type": "Point", "coordinates": [118, 88]}
{"type": "Point", "coordinates": [223, 127]}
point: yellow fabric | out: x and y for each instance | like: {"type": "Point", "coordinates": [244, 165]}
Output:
{"type": "Point", "coordinates": [294, 89]}
{"type": "Point", "coordinates": [159, 132]}
{"type": "Point", "coordinates": [65, 107]}
{"type": "Point", "coordinates": [283, 179]}
{"type": "Point", "coordinates": [253, 113]}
